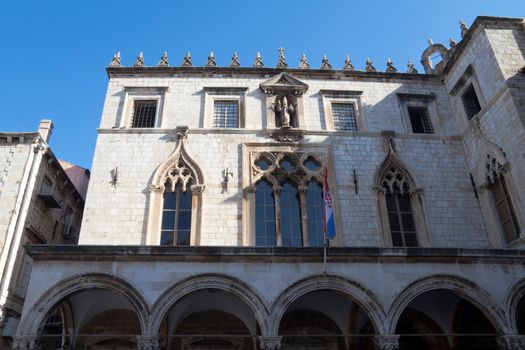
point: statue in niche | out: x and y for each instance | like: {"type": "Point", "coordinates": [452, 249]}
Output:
{"type": "Point", "coordinates": [285, 112]}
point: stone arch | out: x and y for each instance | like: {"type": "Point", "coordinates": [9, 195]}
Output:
{"type": "Point", "coordinates": [207, 281]}
{"type": "Point", "coordinates": [514, 295]}
{"type": "Point", "coordinates": [362, 296]}
{"type": "Point", "coordinates": [32, 321]}
{"type": "Point", "coordinates": [462, 286]}
{"type": "Point", "coordinates": [429, 51]}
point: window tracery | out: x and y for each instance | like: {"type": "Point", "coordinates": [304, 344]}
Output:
{"type": "Point", "coordinates": [288, 198]}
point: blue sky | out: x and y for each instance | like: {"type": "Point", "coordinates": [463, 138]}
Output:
{"type": "Point", "coordinates": [54, 53]}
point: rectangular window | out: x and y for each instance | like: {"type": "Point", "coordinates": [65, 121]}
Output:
{"type": "Point", "coordinates": [344, 116]}
{"type": "Point", "coordinates": [46, 186]}
{"type": "Point", "coordinates": [176, 218]}
{"type": "Point", "coordinates": [144, 112]}
{"type": "Point", "coordinates": [505, 210]}
{"type": "Point", "coordinates": [225, 114]}
{"type": "Point", "coordinates": [68, 221]}
{"type": "Point", "coordinates": [420, 120]}
{"type": "Point", "coordinates": [401, 221]}
{"type": "Point", "coordinates": [470, 102]}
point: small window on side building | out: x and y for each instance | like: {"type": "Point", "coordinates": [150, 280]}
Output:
{"type": "Point", "coordinates": [46, 186]}
{"type": "Point", "coordinates": [470, 102]}
{"type": "Point", "coordinates": [344, 116]}
{"type": "Point", "coordinates": [225, 114]}
{"type": "Point", "coordinates": [144, 112]}
{"type": "Point", "coordinates": [420, 120]}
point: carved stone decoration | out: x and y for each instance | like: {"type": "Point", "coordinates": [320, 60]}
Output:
{"type": "Point", "coordinates": [270, 343]}
{"type": "Point", "coordinates": [285, 109]}
{"type": "Point", "coordinates": [163, 60]}
{"type": "Point", "coordinates": [287, 135]}
{"type": "Point", "coordinates": [258, 63]}
{"type": "Point", "coordinates": [369, 66]}
{"type": "Point", "coordinates": [235, 61]}
{"type": "Point", "coordinates": [429, 52]}
{"type": "Point", "coordinates": [178, 169]}
{"type": "Point", "coordinates": [281, 63]}
{"type": "Point", "coordinates": [146, 342]}
{"type": "Point", "coordinates": [511, 342]}
{"type": "Point", "coordinates": [463, 27]}
{"type": "Point", "coordinates": [387, 342]}
{"type": "Point", "coordinates": [303, 64]}
{"type": "Point", "coordinates": [283, 83]}
{"type": "Point", "coordinates": [26, 343]}
{"type": "Point", "coordinates": [390, 66]}
{"type": "Point", "coordinates": [348, 64]}
{"type": "Point", "coordinates": [211, 60]}
{"type": "Point", "coordinates": [452, 43]}
{"type": "Point", "coordinates": [410, 68]}
{"type": "Point", "coordinates": [115, 62]}
{"type": "Point", "coordinates": [187, 60]}
{"type": "Point", "coordinates": [140, 60]}
{"type": "Point", "coordinates": [325, 64]}
{"type": "Point", "coordinates": [494, 169]}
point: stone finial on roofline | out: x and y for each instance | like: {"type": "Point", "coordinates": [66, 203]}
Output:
{"type": "Point", "coordinates": [115, 62]}
{"type": "Point", "coordinates": [410, 68]}
{"type": "Point", "coordinates": [258, 63]}
{"type": "Point", "coordinates": [187, 60]}
{"type": "Point", "coordinates": [325, 64]}
{"type": "Point", "coordinates": [140, 60]}
{"type": "Point", "coordinates": [282, 60]}
{"type": "Point", "coordinates": [303, 64]}
{"type": "Point", "coordinates": [452, 42]}
{"type": "Point", "coordinates": [211, 60]}
{"type": "Point", "coordinates": [348, 64]}
{"type": "Point", "coordinates": [430, 42]}
{"type": "Point", "coordinates": [464, 28]}
{"type": "Point", "coordinates": [235, 61]}
{"type": "Point", "coordinates": [390, 66]}
{"type": "Point", "coordinates": [163, 60]}
{"type": "Point", "coordinates": [369, 66]}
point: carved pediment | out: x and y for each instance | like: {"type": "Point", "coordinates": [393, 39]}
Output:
{"type": "Point", "coordinates": [283, 82]}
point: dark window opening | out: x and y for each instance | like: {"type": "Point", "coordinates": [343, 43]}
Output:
{"type": "Point", "coordinates": [401, 220]}
{"type": "Point", "coordinates": [176, 218]}
{"type": "Point", "coordinates": [144, 112]}
{"type": "Point", "coordinates": [420, 120]}
{"type": "Point", "coordinates": [506, 213]}
{"type": "Point", "coordinates": [226, 114]}
{"type": "Point", "coordinates": [470, 102]}
{"type": "Point", "coordinates": [343, 115]}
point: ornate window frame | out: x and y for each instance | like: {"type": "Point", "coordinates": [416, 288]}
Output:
{"type": "Point", "coordinates": [427, 101]}
{"type": "Point", "coordinates": [212, 94]}
{"type": "Point", "coordinates": [345, 97]}
{"type": "Point", "coordinates": [179, 167]}
{"type": "Point", "coordinates": [415, 192]}
{"type": "Point", "coordinates": [137, 93]}
{"type": "Point", "coordinates": [251, 175]}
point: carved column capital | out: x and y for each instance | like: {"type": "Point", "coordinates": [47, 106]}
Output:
{"type": "Point", "coordinates": [302, 189]}
{"type": "Point", "coordinates": [276, 190]}
{"type": "Point", "coordinates": [415, 192]}
{"type": "Point", "coordinates": [156, 189]}
{"type": "Point", "coordinates": [270, 343]}
{"type": "Point", "coordinates": [483, 187]}
{"type": "Point", "coordinates": [148, 342]}
{"type": "Point", "coordinates": [379, 190]}
{"type": "Point", "coordinates": [250, 189]}
{"type": "Point", "coordinates": [511, 342]}
{"type": "Point", "coordinates": [197, 189]}
{"type": "Point", "coordinates": [387, 342]}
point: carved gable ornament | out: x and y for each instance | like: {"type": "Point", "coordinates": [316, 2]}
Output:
{"type": "Point", "coordinates": [283, 83]}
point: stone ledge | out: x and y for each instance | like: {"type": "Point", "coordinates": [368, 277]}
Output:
{"type": "Point", "coordinates": [278, 254]}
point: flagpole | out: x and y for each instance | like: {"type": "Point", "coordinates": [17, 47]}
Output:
{"type": "Point", "coordinates": [324, 252]}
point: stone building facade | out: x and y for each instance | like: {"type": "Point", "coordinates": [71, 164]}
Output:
{"type": "Point", "coordinates": [39, 204]}
{"type": "Point", "coordinates": [203, 224]}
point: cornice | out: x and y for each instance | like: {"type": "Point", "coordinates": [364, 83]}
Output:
{"type": "Point", "coordinates": [277, 255]}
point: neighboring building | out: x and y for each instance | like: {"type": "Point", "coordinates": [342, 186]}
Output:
{"type": "Point", "coordinates": [203, 226]}
{"type": "Point", "coordinates": [38, 205]}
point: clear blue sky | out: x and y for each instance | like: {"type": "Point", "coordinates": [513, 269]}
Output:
{"type": "Point", "coordinates": [54, 52]}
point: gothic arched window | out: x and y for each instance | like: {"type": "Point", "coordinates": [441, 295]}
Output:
{"type": "Point", "coordinates": [176, 217]}
{"type": "Point", "coordinates": [289, 205]}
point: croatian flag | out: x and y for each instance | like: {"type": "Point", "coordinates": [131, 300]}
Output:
{"type": "Point", "coordinates": [329, 221]}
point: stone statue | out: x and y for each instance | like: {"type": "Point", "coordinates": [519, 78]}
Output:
{"type": "Point", "coordinates": [282, 61]}
{"type": "Point", "coordinates": [390, 66]}
{"type": "Point", "coordinates": [187, 61]}
{"type": "Point", "coordinates": [163, 60]}
{"type": "Point", "coordinates": [211, 60]}
{"type": "Point", "coordinates": [115, 62]}
{"type": "Point", "coordinates": [348, 64]}
{"type": "Point", "coordinates": [258, 63]}
{"type": "Point", "coordinates": [369, 66]}
{"type": "Point", "coordinates": [285, 111]}
{"type": "Point", "coordinates": [410, 68]}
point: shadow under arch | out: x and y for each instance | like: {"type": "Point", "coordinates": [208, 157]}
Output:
{"type": "Point", "coordinates": [363, 297]}
{"type": "Point", "coordinates": [459, 285]}
{"type": "Point", "coordinates": [31, 322]}
{"type": "Point", "coordinates": [208, 281]}
{"type": "Point", "coordinates": [515, 294]}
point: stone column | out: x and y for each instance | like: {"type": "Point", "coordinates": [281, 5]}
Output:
{"type": "Point", "coordinates": [387, 342]}
{"type": "Point", "coordinates": [278, 232]}
{"type": "Point", "coordinates": [511, 342]}
{"type": "Point", "coordinates": [270, 343]}
{"type": "Point", "coordinates": [26, 343]}
{"type": "Point", "coordinates": [304, 214]}
{"type": "Point", "coordinates": [148, 342]}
